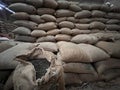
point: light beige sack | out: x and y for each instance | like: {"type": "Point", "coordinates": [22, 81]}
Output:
{"type": "Point", "coordinates": [53, 32]}
{"type": "Point", "coordinates": [82, 26]}
{"type": "Point", "coordinates": [38, 33]}
{"type": "Point", "coordinates": [66, 24]}
{"type": "Point", "coordinates": [75, 8]}
{"type": "Point", "coordinates": [62, 37]}
{"type": "Point", "coordinates": [65, 31]}
{"type": "Point", "coordinates": [48, 18]}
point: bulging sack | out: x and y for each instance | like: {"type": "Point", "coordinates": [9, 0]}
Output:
{"type": "Point", "coordinates": [41, 11]}
{"type": "Point", "coordinates": [50, 4]}
{"type": "Point", "coordinates": [48, 18]}
{"type": "Point", "coordinates": [63, 4]}
{"type": "Point", "coordinates": [38, 33]}
{"type": "Point", "coordinates": [98, 13]}
{"type": "Point", "coordinates": [62, 37]}
{"type": "Point", "coordinates": [66, 24]}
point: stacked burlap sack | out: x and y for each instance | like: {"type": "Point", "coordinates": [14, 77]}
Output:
{"type": "Point", "coordinates": [56, 20]}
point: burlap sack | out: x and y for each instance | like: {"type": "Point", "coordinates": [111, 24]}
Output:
{"type": "Point", "coordinates": [48, 18]}
{"type": "Point", "coordinates": [85, 6]}
{"type": "Point", "coordinates": [66, 24]}
{"type": "Point", "coordinates": [80, 68]}
{"type": "Point", "coordinates": [95, 6]}
{"type": "Point", "coordinates": [105, 8]}
{"type": "Point", "coordinates": [83, 14]}
{"type": "Point", "coordinates": [97, 25]}
{"type": "Point", "coordinates": [113, 27]}
{"type": "Point", "coordinates": [75, 8]}
{"type": "Point", "coordinates": [47, 26]}
{"type": "Point", "coordinates": [63, 4]}
{"type": "Point", "coordinates": [60, 19]}
{"type": "Point", "coordinates": [111, 48]}
{"type": "Point", "coordinates": [22, 31]}
{"type": "Point", "coordinates": [38, 33]}
{"type": "Point", "coordinates": [20, 16]}
{"type": "Point", "coordinates": [115, 9]}
{"type": "Point", "coordinates": [62, 37]}
{"type": "Point", "coordinates": [98, 13]}
{"type": "Point", "coordinates": [7, 57]}
{"type": "Point", "coordinates": [72, 78]}
{"type": "Point", "coordinates": [82, 26]}
{"type": "Point", "coordinates": [25, 38]}
{"type": "Point", "coordinates": [15, 1]}
{"type": "Point", "coordinates": [64, 13]}
{"type": "Point", "coordinates": [113, 15]}
{"type": "Point", "coordinates": [22, 7]}
{"type": "Point", "coordinates": [36, 3]}
{"type": "Point", "coordinates": [77, 32]}
{"type": "Point", "coordinates": [65, 31]}
{"type": "Point", "coordinates": [85, 21]}
{"type": "Point", "coordinates": [49, 46]}
{"type": "Point", "coordinates": [50, 4]}
{"type": "Point", "coordinates": [113, 21]}
{"type": "Point", "coordinates": [84, 38]}
{"type": "Point", "coordinates": [41, 11]}
{"type": "Point", "coordinates": [36, 18]}
{"type": "Point", "coordinates": [48, 38]}
{"type": "Point", "coordinates": [103, 20]}
{"type": "Point", "coordinates": [105, 65]}
{"type": "Point", "coordinates": [72, 19]}
{"type": "Point", "coordinates": [25, 23]}
{"type": "Point", "coordinates": [53, 32]}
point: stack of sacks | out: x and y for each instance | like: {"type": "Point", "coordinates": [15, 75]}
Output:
{"type": "Point", "coordinates": [78, 60]}
{"type": "Point", "coordinates": [110, 68]}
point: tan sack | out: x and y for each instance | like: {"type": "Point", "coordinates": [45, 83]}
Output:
{"type": "Point", "coordinates": [41, 11]}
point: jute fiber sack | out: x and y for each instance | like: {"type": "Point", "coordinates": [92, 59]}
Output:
{"type": "Point", "coordinates": [66, 31]}
{"type": "Point", "coordinates": [37, 19]}
{"type": "Point", "coordinates": [83, 14]}
{"type": "Point", "coordinates": [72, 19]}
{"type": "Point", "coordinates": [105, 8]}
{"type": "Point", "coordinates": [93, 53]}
{"type": "Point", "coordinates": [72, 78]}
{"type": "Point", "coordinates": [85, 6]}
{"type": "Point", "coordinates": [98, 13]}
{"type": "Point", "coordinates": [97, 25]}
{"type": "Point", "coordinates": [20, 16]}
{"type": "Point", "coordinates": [95, 6]}
{"type": "Point", "coordinates": [77, 32]}
{"type": "Point", "coordinates": [48, 38]}
{"type": "Point", "coordinates": [82, 26]}
{"type": "Point", "coordinates": [22, 31]}
{"type": "Point", "coordinates": [113, 15]}
{"type": "Point", "coordinates": [75, 8]}
{"type": "Point", "coordinates": [47, 26]}
{"type": "Point", "coordinates": [50, 4]}
{"type": "Point", "coordinates": [35, 3]}
{"type": "Point", "coordinates": [80, 68]}
{"type": "Point", "coordinates": [103, 20]}
{"type": "Point", "coordinates": [113, 27]}
{"type": "Point", "coordinates": [22, 7]}
{"type": "Point", "coordinates": [7, 57]}
{"type": "Point", "coordinates": [105, 65]}
{"type": "Point", "coordinates": [74, 53]}
{"type": "Point", "coordinates": [85, 21]}
{"type": "Point", "coordinates": [15, 1]}
{"type": "Point", "coordinates": [53, 32]}
{"type": "Point", "coordinates": [64, 13]}
{"type": "Point", "coordinates": [84, 38]}
{"type": "Point", "coordinates": [111, 74]}
{"type": "Point", "coordinates": [111, 48]}
{"type": "Point", "coordinates": [62, 37]}
{"type": "Point", "coordinates": [113, 21]}
{"type": "Point", "coordinates": [38, 33]}
{"type": "Point", "coordinates": [66, 24]}
{"type": "Point", "coordinates": [115, 9]}
{"type": "Point", "coordinates": [41, 11]}
{"type": "Point", "coordinates": [49, 46]}
{"type": "Point", "coordinates": [25, 23]}
{"type": "Point", "coordinates": [25, 38]}
{"type": "Point", "coordinates": [48, 18]}
{"type": "Point", "coordinates": [63, 4]}
{"type": "Point", "coordinates": [60, 19]}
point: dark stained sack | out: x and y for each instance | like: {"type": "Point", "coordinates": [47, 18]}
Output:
{"type": "Point", "coordinates": [24, 38]}
{"type": "Point", "coordinates": [105, 65]}
{"type": "Point", "coordinates": [62, 37]}
{"type": "Point", "coordinates": [36, 18]}
{"type": "Point", "coordinates": [111, 48]}
{"type": "Point", "coordinates": [113, 21]}
{"type": "Point", "coordinates": [50, 4]}
{"type": "Point", "coordinates": [85, 20]}
{"type": "Point", "coordinates": [22, 7]}
{"type": "Point", "coordinates": [41, 11]}
{"type": "Point", "coordinates": [66, 24]}
{"type": "Point", "coordinates": [25, 23]}
{"type": "Point", "coordinates": [98, 13]}
{"type": "Point", "coordinates": [38, 33]}
{"type": "Point", "coordinates": [64, 13]}
{"type": "Point", "coordinates": [85, 6]}
{"type": "Point", "coordinates": [20, 16]}
{"type": "Point", "coordinates": [83, 14]}
{"type": "Point", "coordinates": [63, 4]}
{"type": "Point", "coordinates": [113, 27]}
{"type": "Point", "coordinates": [22, 31]}
{"type": "Point", "coordinates": [75, 8]}
{"type": "Point", "coordinates": [113, 15]}
{"type": "Point", "coordinates": [60, 19]}
{"type": "Point", "coordinates": [103, 20]}
{"type": "Point", "coordinates": [48, 18]}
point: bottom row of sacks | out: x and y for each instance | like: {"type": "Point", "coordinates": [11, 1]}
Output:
{"type": "Point", "coordinates": [39, 69]}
